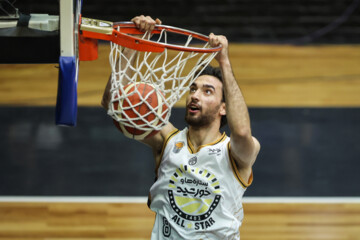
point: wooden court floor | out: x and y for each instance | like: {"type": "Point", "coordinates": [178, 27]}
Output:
{"type": "Point", "coordinates": [269, 75]}
{"type": "Point", "coordinates": [263, 221]}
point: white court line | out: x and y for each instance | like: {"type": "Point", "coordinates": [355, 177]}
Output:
{"type": "Point", "coordinates": [74, 199]}
{"type": "Point", "coordinates": [325, 200]}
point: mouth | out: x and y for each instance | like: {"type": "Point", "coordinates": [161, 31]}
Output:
{"type": "Point", "coordinates": [193, 108]}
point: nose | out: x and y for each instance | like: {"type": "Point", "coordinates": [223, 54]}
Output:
{"type": "Point", "coordinates": [195, 96]}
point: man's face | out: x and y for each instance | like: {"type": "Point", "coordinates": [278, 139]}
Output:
{"type": "Point", "coordinates": [204, 102]}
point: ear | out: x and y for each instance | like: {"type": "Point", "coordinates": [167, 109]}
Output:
{"type": "Point", "coordinates": [223, 109]}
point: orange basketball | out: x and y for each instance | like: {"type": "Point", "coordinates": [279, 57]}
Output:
{"type": "Point", "coordinates": [139, 109]}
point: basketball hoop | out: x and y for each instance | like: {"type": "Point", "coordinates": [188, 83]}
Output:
{"type": "Point", "coordinates": [169, 59]}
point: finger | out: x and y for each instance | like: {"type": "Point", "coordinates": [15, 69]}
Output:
{"type": "Point", "coordinates": [158, 21]}
{"type": "Point", "coordinates": [151, 27]}
{"type": "Point", "coordinates": [211, 37]}
{"type": "Point", "coordinates": [144, 25]}
{"type": "Point", "coordinates": [223, 40]}
{"type": "Point", "coordinates": [214, 40]}
{"type": "Point", "coordinates": [150, 24]}
{"type": "Point", "coordinates": [136, 20]}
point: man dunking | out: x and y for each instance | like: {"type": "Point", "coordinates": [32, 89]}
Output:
{"type": "Point", "coordinates": [201, 173]}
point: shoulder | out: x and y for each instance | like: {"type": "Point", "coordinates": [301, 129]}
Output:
{"type": "Point", "coordinates": [244, 150]}
{"type": "Point", "coordinates": [157, 141]}
{"type": "Point", "coordinates": [171, 135]}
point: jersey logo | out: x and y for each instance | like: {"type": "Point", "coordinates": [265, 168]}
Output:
{"type": "Point", "coordinates": [215, 151]}
{"type": "Point", "coordinates": [193, 194]}
{"type": "Point", "coordinates": [192, 161]}
{"type": "Point", "coordinates": [178, 146]}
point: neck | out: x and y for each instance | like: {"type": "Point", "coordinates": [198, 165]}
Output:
{"type": "Point", "coordinates": [203, 135]}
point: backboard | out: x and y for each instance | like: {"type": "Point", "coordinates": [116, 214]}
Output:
{"type": "Point", "coordinates": [34, 36]}
{"type": "Point", "coordinates": [28, 33]}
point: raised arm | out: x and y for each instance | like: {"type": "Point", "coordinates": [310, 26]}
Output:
{"type": "Point", "coordinates": [144, 24]}
{"type": "Point", "coordinates": [244, 147]}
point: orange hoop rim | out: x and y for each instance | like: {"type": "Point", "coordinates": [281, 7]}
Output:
{"type": "Point", "coordinates": [122, 38]}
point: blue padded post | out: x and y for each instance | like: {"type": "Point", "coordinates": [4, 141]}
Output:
{"type": "Point", "coordinates": [66, 105]}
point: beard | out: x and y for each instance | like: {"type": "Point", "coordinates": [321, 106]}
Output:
{"type": "Point", "coordinates": [204, 119]}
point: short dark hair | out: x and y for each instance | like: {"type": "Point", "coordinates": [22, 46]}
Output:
{"type": "Point", "coordinates": [216, 72]}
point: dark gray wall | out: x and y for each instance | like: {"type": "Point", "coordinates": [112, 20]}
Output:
{"type": "Point", "coordinates": [275, 21]}
{"type": "Point", "coordinates": [305, 152]}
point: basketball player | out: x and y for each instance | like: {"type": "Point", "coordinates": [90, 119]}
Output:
{"type": "Point", "coordinates": [202, 174]}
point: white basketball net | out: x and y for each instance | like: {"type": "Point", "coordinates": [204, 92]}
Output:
{"type": "Point", "coordinates": [170, 73]}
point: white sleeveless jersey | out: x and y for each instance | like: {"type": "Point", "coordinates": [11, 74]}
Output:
{"type": "Point", "coordinates": [198, 192]}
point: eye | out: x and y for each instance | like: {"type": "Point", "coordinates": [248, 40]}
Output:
{"type": "Point", "coordinates": [192, 89]}
{"type": "Point", "coordinates": [208, 91]}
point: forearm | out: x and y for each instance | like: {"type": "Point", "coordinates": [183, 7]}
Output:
{"type": "Point", "coordinates": [236, 110]}
{"type": "Point", "coordinates": [144, 24]}
{"type": "Point", "coordinates": [106, 95]}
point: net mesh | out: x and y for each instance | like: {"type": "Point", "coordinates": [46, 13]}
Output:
{"type": "Point", "coordinates": [143, 75]}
